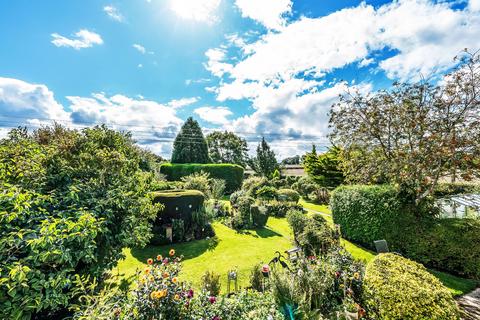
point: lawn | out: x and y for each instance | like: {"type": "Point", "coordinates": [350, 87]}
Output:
{"type": "Point", "coordinates": [228, 250]}
{"type": "Point", "coordinates": [456, 285]}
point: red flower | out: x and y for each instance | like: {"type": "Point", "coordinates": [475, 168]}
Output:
{"type": "Point", "coordinates": [150, 261]}
{"type": "Point", "coordinates": [212, 300]}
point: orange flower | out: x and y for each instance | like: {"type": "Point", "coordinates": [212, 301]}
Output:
{"type": "Point", "coordinates": [154, 295]}
{"type": "Point", "coordinates": [159, 257]}
{"type": "Point", "coordinates": [150, 261]}
{"type": "Point", "coordinates": [147, 270]}
{"type": "Point", "coordinates": [163, 293]}
{"type": "Point", "coordinates": [171, 253]}
{"type": "Point", "coordinates": [174, 280]}
{"type": "Point", "coordinates": [166, 274]}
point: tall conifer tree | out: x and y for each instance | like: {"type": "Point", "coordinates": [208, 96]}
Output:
{"type": "Point", "coordinates": [190, 145]}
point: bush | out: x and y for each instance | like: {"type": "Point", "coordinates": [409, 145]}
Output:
{"type": "Point", "coordinates": [178, 230]}
{"type": "Point", "coordinates": [197, 181]}
{"type": "Point", "coordinates": [211, 283]}
{"type": "Point", "coordinates": [217, 189]}
{"type": "Point", "coordinates": [305, 186]}
{"type": "Point", "coordinates": [321, 196]}
{"type": "Point", "coordinates": [368, 213]}
{"type": "Point", "coordinates": [446, 189]}
{"type": "Point", "coordinates": [257, 279]}
{"type": "Point", "coordinates": [241, 215]}
{"type": "Point", "coordinates": [252, 184]}
{"type": "Point", "coordinates": [398, 288]}
{"type": "Point", "coordinates": [259, 217]}
{"type": "Point", "coordinates": [178, 204]}
{"type": "Point", "coordinates": [288, 195]}
{"type": "Point", "coordinates": [280, 209]}
{"type": "Point", "coordinates": [231, 173]}
{"type": "Point", "coordinates": [266, 193]}
{"type": "Point", "coordinates": [236, 195]}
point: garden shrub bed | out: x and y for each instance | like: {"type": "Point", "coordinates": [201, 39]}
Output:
{"type": "Point", "coordinates": [368, 213]}
{"type": "Point", "coordinates": [398, 288]}
{"type": "Point", "coordinates": [231, 173]}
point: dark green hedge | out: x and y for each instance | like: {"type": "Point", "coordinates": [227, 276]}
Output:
{"type": "Point", "coordinates": [231, 173]}
{"type": "Point", "coordinates": [179, 204]}
{"type": "Point", "coordinates": [368, 213]}
{"type": "Point", "coordinates": [398, 288]}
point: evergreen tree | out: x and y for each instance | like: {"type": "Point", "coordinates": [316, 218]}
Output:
{"type": "Point", "coordinates": [264, 163]}
{"type": "Point", "coordinates": [324, 169]}
{"type": "Point", "coordinates": [190, 145]}
{"type": "Point", "coordinates": [227, 147]}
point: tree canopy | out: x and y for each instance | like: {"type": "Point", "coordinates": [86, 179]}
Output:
{"type": "Point", "coordinates": [413, 134]}
{"type": "Point", "coordinates": [190, 145]}
{"type": "Point", "coordinates": [265, 162]}
{"type": "Point", "coordinates": [227, 147]}
{"type": "Point", "coordinates": [325, 169]}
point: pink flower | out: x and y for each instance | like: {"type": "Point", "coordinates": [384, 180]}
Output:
{"type": "Point", "coordinates": [265, 268]}
{"type": "Point", "coordinates": [190, 294]}
{"type": "Point", "coordinates": [165, 261]}
{"type": "Point", "coordinates": [216, 318]}
{"type": "Point", "coordinates": [212, 300]}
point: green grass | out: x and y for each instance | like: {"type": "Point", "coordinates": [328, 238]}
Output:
{"type": "Point", "coordinates": [228, 250]}
{"type": "Point", "coordinates": [456, 285]}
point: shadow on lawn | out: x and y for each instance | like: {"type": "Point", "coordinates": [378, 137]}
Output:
{"type": "Point", "coordinates": [260, 233]}
{"type": "Point", "coordinates": [188, 250]}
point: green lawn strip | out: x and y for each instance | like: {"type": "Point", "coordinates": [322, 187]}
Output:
{"type": "Point", "coordinates": [227, 251]}
{"type": "Point", "coordinates": [456, 285]}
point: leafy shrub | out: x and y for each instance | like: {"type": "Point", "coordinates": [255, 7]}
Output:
{"type": "Point", "coordinates": [398, 288]}
{"type": "Point", "coordinates": [279, 209]}
{"type": "Point", "coordinates": [178, 230]}
{"type": "Point", "coordinates": [259, 217]}
{"type": "Point", "coordinates": [236, 195]}
{"type": "Point", "coordinates": [178, 204]}
{"type": "Point", "coordinates": [297, 221]}
{"type": "Point", "coordinates": [288, 195]}
{"type": "Point", "coordinates": [197, 181]}
{"type": "Point", "coordinates": [368, 213]}
{"type": "Point", "coordinates": [266, 193]}
{"type": "Point", "coordinates": [217, 189]}
{"type": "Point", "coordinates": [70, 201]}
{"type": "Point", "coordinates": [231, 173]}
{"type": "Point", "coordinates": [201, 227]}
{"type": "Point", "coordinates": [321, 196]}
{"type": "Point", "coordinates": [241, 216]}
{"type": "Point", "coordinates": [445, 189]}
{"type": "Point", "coordinates": [252, 184]}
{"type": "Point", "coordinates": [211, 283]}
{"type": "Point", "coordinates": [257, 280]}
{"type": "Point", "coordinates": [305, 186]}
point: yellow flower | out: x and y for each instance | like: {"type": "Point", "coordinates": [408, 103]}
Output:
{"type": "Point", "coordinates": [174, 280]}
{"type": "Point", "coordinates": [147, 270]}
{"type": "Point", "coordinates": [177, 297]}
{"type": "Point", "coordinates": [171, 253]}
{"type": "Point", "coordinates": [154, 295]}
{"type": "Point", "coordinates": [151, 278]}
{"type": "Point", "coordinates": [356, 275]}
{"type": "Point", "coordinates": [163, 293]}
{"type": "Point", "coordinates": [159, 257]}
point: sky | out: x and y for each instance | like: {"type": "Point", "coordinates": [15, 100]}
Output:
{"type": "Point", "coordinates": [260, 68]}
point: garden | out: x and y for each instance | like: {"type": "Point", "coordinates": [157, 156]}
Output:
{"type": "Point", "coordinates": [94, 227]}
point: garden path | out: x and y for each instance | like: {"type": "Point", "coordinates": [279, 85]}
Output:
{"type": "Point", "coordinates": [470, 305]}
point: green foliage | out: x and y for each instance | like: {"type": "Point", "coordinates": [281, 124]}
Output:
{"type": "Point", "coordinates": [257, 280]}
{"type": "Point", "coordinates": [266, 193]}
{"type": "Point", "coordinates": [71, 201]}
{"type": "Point", "coordinates": [276, 174]}
{"type": "Point", "coordinates": [236, 195]}
{"type": "Point", "coordinates": [305, 186]}
{"type": "Point", "coordinates": [368, 213]}
{"type": "Point", "coordinates": [398, 288]}
{"type": "Point", "coordinates": [241, 215]}
{"type": "Point", "coordinates": [178, 230]}
{"type": "Point", "coordinates": [264, 163]}
{"type": "Point", "coordinates": [280, 208]}
{"type": "Point", "coordinates": [231, 173]}
{"type": "Point", "coordinates": [446, 189]}
{"type": "Point", "coordinates": [291, 160]}
{"type": "Point", "coordinates": [325, 169]}
{"type": "Point", "coordinates": [197, 181]}
{"type": "Point", "coordinates": [227, 147]}
{"type": "Point", "coordinates": [259, 216]}
{"type": "Point", "coordinates": [252, 184]}
{"type": "Point", "coordinates": [217, 189]}
{"type": "Point", "coordinates": [289, 195]}
{"type": "Point", "coordinates": [211, 283]}
{"type": "Point", "coordinates": [190, 146]}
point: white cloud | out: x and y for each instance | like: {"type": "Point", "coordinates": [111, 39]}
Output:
{"type": "Point", "coordinates": [84, 39]}
{"type": "Point", "coordinates": [113, 13]}
{"type": "Point", "coordinates": [139, 48]}
{"type": "Point", "coordinates": [183, 102]}
{"type": "Point", "coordinates": [474, 5]}
{"type": "Point", "coordinates": [215, 62]}
{"type": "Point", "coordinates": [270, 13]}
{"type": "Point", "coordinates": [196, 10]}
{"type": "Point", "coordinates": [215, 115]}
{"type": "Point", "coordinates": [22, 102]}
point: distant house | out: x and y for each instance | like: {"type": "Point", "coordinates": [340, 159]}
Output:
{"type": "Point", "coordinates": [295, 170]}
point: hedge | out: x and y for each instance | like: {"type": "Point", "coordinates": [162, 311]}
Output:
{"type": "Point", "coordinates": [398, 288]}
{"type": "Point", "coordinates": [231, 173]}
{"type": "Point", "coordinates": [368, 213]}
{"type": "Point", "coordinates": [179, 204]}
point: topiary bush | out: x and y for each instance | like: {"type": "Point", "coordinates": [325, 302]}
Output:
{"type": "Point", "coordinates": [178, 204]}
{"type": "Point", "coordinates": [289, 195]}
{"type": "Point", "coordinates": [231, 173]}
{"type": "Point", "coordinates": [279, 209]}
{"type": "Point", "coordinates": [398, 288]}
{"type": "Point", "coordinates": [305, 186]}
{"type": "Point", "coordinates": [241, 215]}
{"type": "Point", "coordinates": [252, 184]}
{"type": "Point", "coordinates": [259, 216]}
{"type": "Point", "coordinates": [266, 193]}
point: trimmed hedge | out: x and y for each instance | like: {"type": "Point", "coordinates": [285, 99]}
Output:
{"type": "Point", "coordinates": [368, 213]}
{"type": "Point", "coordinates": [231, 173]}
{"type": "Point", "coordinates": [398, 288]}
{"type": "Point", "coordinates": [259, 217]}
{"type": "Point", "coordinates": [178, 204]}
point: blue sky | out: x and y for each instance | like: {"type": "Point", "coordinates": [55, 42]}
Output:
{"type": "Point", "coordinates": [260, 68]}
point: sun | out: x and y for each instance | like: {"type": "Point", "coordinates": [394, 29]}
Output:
{"type": "Point", "coordinates": [196, 10]}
